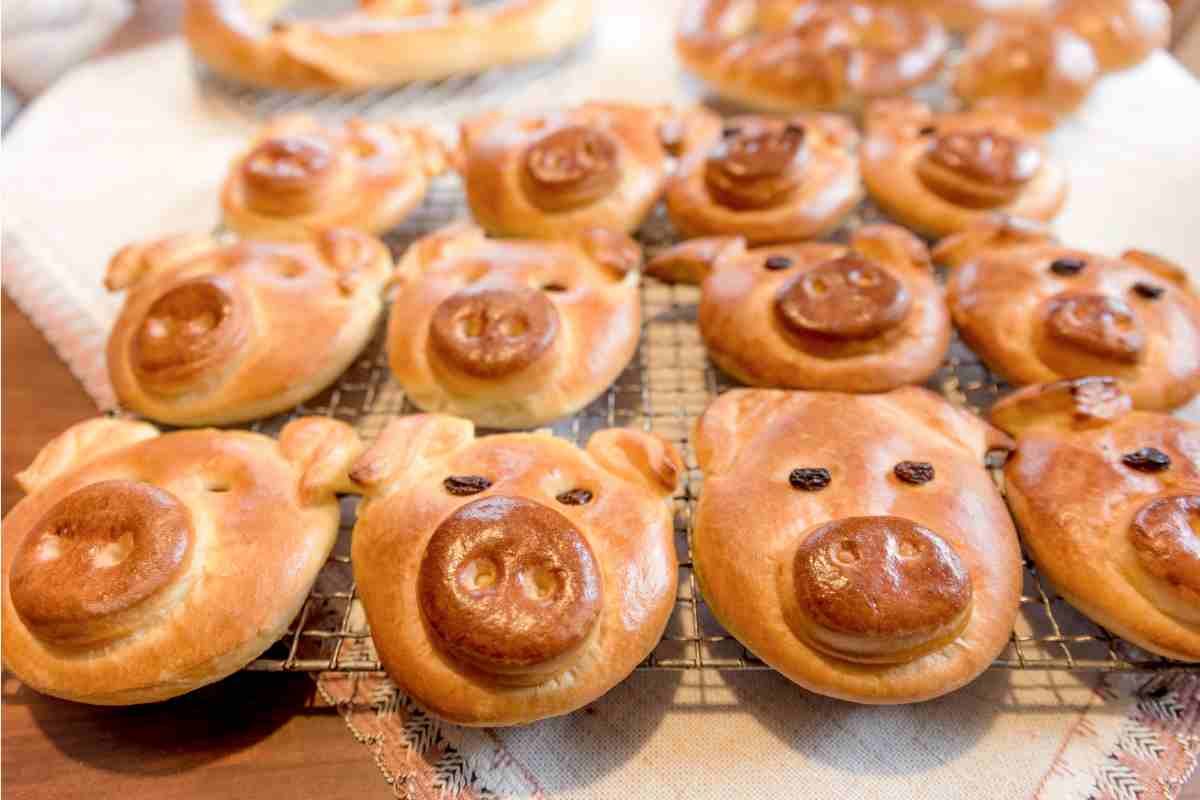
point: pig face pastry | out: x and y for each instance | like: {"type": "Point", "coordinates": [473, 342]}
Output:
{"type": "Point", "coordinates": [768, 179]}
{"type": "Point", "coordinates": [209, 331]}
{"type": "Point", "coordinates": [141, 566]}
{"type": "Point", "coordinates": [558, 174]}
{"type": "Point", "coordinates": [299, 177]}
{"type": "Point", "coordinates": [513, 334]}
{"type": "Point", "coordinates": [513, 577]}
{"type": "Point", "coordinates": [798, 55]}
{"type": "Point", "coordinates": [1036, 312]}
{"type": "Point", "coordinates": [856, 543]}
{"type": "Point", "coordinates": [864, 318]}
{"type": "Point", "coordinates": [938, 173]}
{"type": "Point", "coordinates": [1108, 503]}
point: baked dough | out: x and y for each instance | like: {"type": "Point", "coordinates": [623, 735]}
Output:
{"type": "Point", "coordinates": [299, 177]}
{"type": "Point", "coordinates": [1122, 33]}
{"type": "Point", "coordinates": [864, 318]}
{"type": "Point", "coordinates": [768, 179]}
{"type": "Point", "coordinates": [938, 173]}
{"type": "Point", "coordinates": [964, 15]}
{"type": "Point", "coordinates": [1036, 312]}
{"type": "Point", "coordinates": [379, 43]}
{"type": "Point", "coordinates": [141, 566]}
{"type": "Point", "coordinates": [1108, 504]}
{"type": "Point", "coordinates": [796, 55]}
{"type": "Point", "coordinates": [856, 543]}
{"type": "Point", "coordinates": [1034, 61]}
{"type": "Point", "coordinates": [215, 332]}
{"type": "Point", "coordinates": [513, 577]}
{"type": "Point", "coordinates": [557, 174]}
{"type": "Point", "coordinates": [513, 334]}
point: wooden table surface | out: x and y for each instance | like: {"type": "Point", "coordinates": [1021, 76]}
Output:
{"type": "Point", "coordinates": [250, 735]}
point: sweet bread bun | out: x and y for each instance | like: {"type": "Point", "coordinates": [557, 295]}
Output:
{"type": "Point", "coordinates": [299, 178]}
{"type": "Point", "coordinates": [769, 180]}
{"type": "Point", "coordinates": [513, 334]}
{"type": "Point", "coordinates": [864, 318]}
{"type": "Point", "coordinates": [379, 43]}
{"type": "Point", "coordinates": [965, 15]}
{"type": "Point", "coordinates": [856, 543]}
{"type": "Point", "coordinates": [1108, 504]}
{"type": "Point", "coordinates": [938, 173]}
{"type": "Point", "coordinates": [213, 333]}
{"type": "Point", "coordinates": [1122, 33]}
{"type": "Point", "coordinates": [797, 55]}
{"type": "Point", "coordinates": [139, 566]}
{"type": "Point", "coordinates": [1037, 312]}
{"type": "Point", "coordinates": [1034, 62]}
{"type": "Point", "coordinates": [514, 577]}
{"type": "Point", "coordinates": [558, 174]}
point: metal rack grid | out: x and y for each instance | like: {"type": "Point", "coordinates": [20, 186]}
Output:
{"type": "Point", "coordinates": [668, 384]}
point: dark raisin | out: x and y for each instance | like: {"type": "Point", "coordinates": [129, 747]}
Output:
{"type": "Point", "coordinates": [810, 479]}
{"type": "Point", "coordinates": [1148, 459]}
{"type": "Point", "coordinates": [730, 131]}
{"type": "Point", "coordinates": [554, 287]}
{"type": "Point", "coordinates": [462, 485]}
{"type": "Point", "coordinates": [1067, 266]}
{"type": "Point", "coordinates": [1148, 290]}
{"type": "Point", "coordinates": [777, 262]}
{"type": "Point", "coordinates": [575, 497]}
{"type": "Point", "coordinates": [794, 129]}
{"type": "Point", "coordinates": [915, 472]}
{"type": "Point", "coordinates": [928, 130]}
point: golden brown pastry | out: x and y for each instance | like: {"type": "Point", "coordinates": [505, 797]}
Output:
{"type": "Point", "coordinates": [1122, 33]}
{"type": "Point", "coordinates": [215, 332]}
{"type": "Point", "coordinates": [514, 577]}
{"type": "Point", "coordinates": [796, 55]}
{"type": "Point", "coordinates": [379, 42]}
{"type": "Point", "coordinates": [938, 173]}
{"type": "Point", "coordinates": [139, 566]}
{"type": "Point", "coordinates": [769, 180]}
{"type": "Point", "coordinates": [1108, 503]}
{"type": "Point", "coordinates": [964, 15]}
{"type": "Point", "coordinates": [300, 177]}
{"type": "Point", "coordinates": [1035, 62]}
{"type": "Point", "coordinates": [513, 334]}
{"type": "Point", "coordinates": [1036, 312]}
{"type": "Point", "coordinates": [864, 318]}
{"type": "Point", "coordinates": [557, 174]}
{"type": "Point", "coordinates": [856, 543]}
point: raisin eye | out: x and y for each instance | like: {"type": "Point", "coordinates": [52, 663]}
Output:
{"type": "Point", "coordinates": [730, 131]}
{"type": "Point", "coordinates": [575, 497]}
{"type": "Point", "coordinates": [777, 262]}
{"type": "Point", "coordinates": [809, 479]}
{"type": "Point", "coordinates": [1147, 459]}
{"type": "Point", "coordinates": [554, 287]}
{"type": "Point", "coordinates": [462, 485]}
{"type": "Point", "coordinates": [1067, 266]}
{"type": "Point", "coordinates": [928, 130]}
{"type": "Point", "coordinates": [914, 472]}
{"type": "Point", "coordinates": [1148, 291]}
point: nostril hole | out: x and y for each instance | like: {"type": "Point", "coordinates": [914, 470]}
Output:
{"type": "Point", "coordinates": [471, 327]}
{"type": "Point", "coordinates": [846, 553]}
{"type": "Point", "coordinates": [817, 286]}
{"type": "Point", "coordinates": [479, 574]}
{"type": "Point", "coordinates": [538, 583]}
{"type": "Point", "coordinates": [514, 325]}
{"type": "Point", "coordinates": [113, 553]}
{"type": "Point", "coordinates": [862, 279]}
{"type": "Point", "coordinates": [156, 328]}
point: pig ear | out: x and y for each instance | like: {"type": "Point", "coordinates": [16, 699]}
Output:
{"type": "Point", "coordinates": [1163, 268]}
{"type": "Point", "coordinates": [323, 450]}
{"type": "Point", "coordinates": [691, 261]}
{"type": "Point", "coordinates": [645, 459]}
{"type": "Point", "coordinates": [408, 444]}
{"type": "Point", "coordinates": [992, 232]}
{"type": "Point", "coordinates": [892, 245]}
{"type": "Point", "coordinates": [80, 444]}
{"type": "Point", "coordinates": [723, 427]}
{"type": "Point", "coordinates": [136, 262]}
{"type": "Point", "coordinates": [1067, 405]}
{"type": "Point", "coordinates": [613, 250]}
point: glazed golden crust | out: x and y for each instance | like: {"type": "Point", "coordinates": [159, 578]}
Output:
{"type": "Point", "coordinates": [299, 178]}
{"type": "Point", "coordinates": [207, 334]}
{"type": "Point", "coordinates": [752, 521]}
{"type": "Point", "coordinates": [1037, 312]}
{"type": "Point", "coordinates": [626, 526]}
{"type": "Point", "coordinates": [257, 540]}
{"type": "Point", "coordinates": [1122, 33]}
{"type": "Point", "coordinates": [809, 196]}
{"type": "Point", "coordinates": [513, 334]}
{"type": "Point", "coordinates": [554, 175]}
{"type": "Point", "coordinates": [789, 55]}
{"type": "Point", "coordinates": [900, 137]}
{"type": "Point", "coordinates": [765, 320]}
{"type": "Point", "coordinates": [380, 43]}
{"type": "Point", "coordinates": [964, 15]}
{"type": "Point", "coordinates": [1121, 543]}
